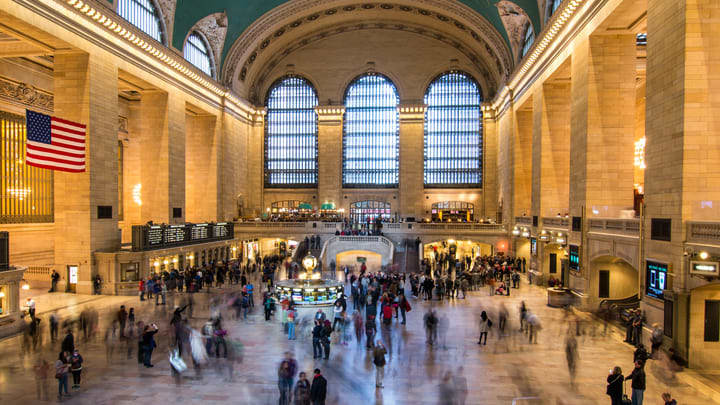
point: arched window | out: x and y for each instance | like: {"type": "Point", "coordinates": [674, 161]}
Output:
{"type": "Point", "coordinates": [370, 139]}
{"type": "Point", "coordinates": [291, 134]}
{"type": "Point", "coordinates": [553, 5]}
{"type": "Point", "coordinates": [142, 14]}
{"type": "Point", "coordinates": [453, 132]}
{"type": "Point", "coordinates": [197, 52]}
{"type": "Point", "coordinates": [529, 39]}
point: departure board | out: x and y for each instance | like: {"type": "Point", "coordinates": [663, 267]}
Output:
{"type": "Point", "coordinates": [150, 237]}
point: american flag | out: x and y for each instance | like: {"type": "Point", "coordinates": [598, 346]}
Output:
{"type": "Point", "coordinates": [54, 143]}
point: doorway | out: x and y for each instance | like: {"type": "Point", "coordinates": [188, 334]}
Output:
{"type": "Point", "coordinates": [604, 284]}
{"type": "Point", "coordinates": [72, 277]}
{"type": "Point", "coordinates": [553, 263]}
{"type": "Point", "coordinates": [712, 321]}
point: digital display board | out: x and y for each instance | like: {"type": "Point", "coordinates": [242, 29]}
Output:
{"type": "Point", "coordinates": [656, 280]}
{"type": "Point", "coordinates": [533, 246]}
{"type": "Point", "coordinates": [574, 257]}
{"type": "Point", "coordinates": [149, 237]}
{"type": "Point", "coordinates": [704, 268]}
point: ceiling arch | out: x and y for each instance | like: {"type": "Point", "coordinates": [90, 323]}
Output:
{"type": "Point", "coordinates": [242, 14]}
{"type": "Point", "coordinates": [450, 21]}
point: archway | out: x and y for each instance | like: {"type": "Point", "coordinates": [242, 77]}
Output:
{"type": "Point", "coordinates": [553, 255]}
{"type": "Point", "coordinates": [704, 326]}
{"type": "Point", "coordinates": [354, 259]}
{"type": "Point", "coordinates": [612, 278]}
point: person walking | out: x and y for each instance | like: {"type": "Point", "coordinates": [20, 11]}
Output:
{"type": "Point", "coordinates": [317, 334]}
{"type": "Point", "coordinates": [638, 382]}
{"type": "Point", "coordinates": [291, 314]}
{"type": "Point", "coordinates": [42, 372]}
{"type": "Point", "coordinates": [302, 390]}
{"type": "Point", "coordinates": [318, 389]}
{"type": "Point", "coordinates": [379, 361]}
{"type": "Point", "coordinates": [62, 367]}
{"type": "Point", "coordinates": [122, 316]}
{"type": "Point", "coordinates": [68, 344]}
{"type": "Point", "coordinates": [76, 361]}
{"type": "Point", "coordinates": [283, 377]}
{"type": "Point", "coordinates": [614, 388]}
{"type": "Point", "coordinates": [485, 324]}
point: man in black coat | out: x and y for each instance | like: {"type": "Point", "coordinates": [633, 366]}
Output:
{"type": "Point", "coordinates": [318, 389]}
{"type": "Point", "coordinates": [68, 344]}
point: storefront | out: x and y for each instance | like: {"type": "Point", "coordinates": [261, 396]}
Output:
{"type": "Point", "coordinates": [453, 211]}
{"type": "Point", "coordinates": [10, 311]}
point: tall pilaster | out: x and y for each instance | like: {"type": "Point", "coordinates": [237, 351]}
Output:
{"type": "Point", "coordinates": [603, 70]}
{"type": "Point", "coordinates": [256, 164]}
{"type": "Point", "coordinates": [330, 133]}
{"type": "Point", "coordinates": [412, 159]}
{"type": "Point", "coordinates": [86, 92]}
{"type": "Point", "coordinates": [202, 168]}
{"type": "Point", "coordinates": [162, 156]}
{"type": "Point", "coordinates": [522, 160]}
{"type": "Point", "coordinates": [490, 164]}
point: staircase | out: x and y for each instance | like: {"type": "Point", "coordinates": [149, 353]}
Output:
{"type": "Point", "coordinates": [376, 244]}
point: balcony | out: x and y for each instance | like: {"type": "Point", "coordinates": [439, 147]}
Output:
{"type": "Point", "coordinates": [523, 221]}
{"type": "Point", "coordinates": [419, 228]}
{"type": "Point", "coordinates": [615, 226]}
{"type": "Point", "coordinates": [703, 232]}
{"type": "Point", "coordinates": [559, 223]}
{"type": "Point", "coordinates": [339, 244]}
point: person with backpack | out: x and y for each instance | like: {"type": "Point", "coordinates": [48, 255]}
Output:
{"type": "Point", "coordinates": [76, 361]}
{"type": "Point", "coordinates": [404, 306]}
{"type": "Point", "coordinates": [379, 361]}
{"type": "Point", "coordinates": [485, 324]}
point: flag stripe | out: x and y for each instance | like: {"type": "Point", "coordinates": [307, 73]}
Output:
{"type": "Point", "coordinates": [54, 143]}
{"type": "Point", "coordinates": [66, 122]}
{"type": "Point", "coordinates": [34, 146]}
{"type": "Point", "coordinates": [57, 166]}
{"type": "Point", "coordinates": [39, 155]}
{"type": "Point", "coordinates": [59, 148]}
{"type": "Point", "coordinates": [68, 132]}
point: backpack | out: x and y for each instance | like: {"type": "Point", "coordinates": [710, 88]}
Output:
{"type": "Point", "coordinates": [489, 323]}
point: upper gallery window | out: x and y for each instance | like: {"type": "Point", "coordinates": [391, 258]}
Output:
{"type": "Point", "coordinates": [291, 134]}
{"type": "Point", "coordinates": [371, 133]}
{"type": "Point", "coordinates": [197, 52]}
{"type": "Point", "coordinates": [453, 132]}
{"type": "Point", "coordinates": [529, 39]}
{"type": "Point", "coordinates": [142, 14]}
{"type": "Point", "coordinates": [553, 5]}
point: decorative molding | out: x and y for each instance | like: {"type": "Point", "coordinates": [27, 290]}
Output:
{"type": "Point", "coordinates": [515, 20]}
{"type": "Point", "coordinates": [330, 114]}
{"type": "Point", "coordinates": [25, 95]}
{"type": "Point", "coordinates": [412, 113]}
{"type": "Point", "coordinates": [122, 124]}
{"type": "Point", "coordinates": [167, 10]}
{"type": "Point", "coordinates": [214, 27]}
{"type": "Point", "coordinates": [489, 85]}
{"type": "Point", "coordinates": [246, 46]}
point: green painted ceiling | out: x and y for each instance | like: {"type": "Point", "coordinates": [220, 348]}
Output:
{"type": "Point", "coordinates": [242, 13]}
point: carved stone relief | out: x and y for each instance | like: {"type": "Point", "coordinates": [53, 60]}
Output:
{"type": "Point", "coordinates": [29, 96]}
{"type": "Point", "coordinates": [214, 28]}
{"type": "Point", "coordinates": [167, 8]}
{"type": "Point", "coordinates": [515, 20]}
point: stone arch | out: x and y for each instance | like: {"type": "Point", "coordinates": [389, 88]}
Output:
{"type": "Point", "coordinates": [213, 29]}
{"type": "Point", "coordinates": [624, 278]}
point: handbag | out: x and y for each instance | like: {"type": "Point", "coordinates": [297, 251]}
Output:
{"type": "Point", "coordinates": [625, 400]}
{"type": "Point", "coordinates": [177, 363]}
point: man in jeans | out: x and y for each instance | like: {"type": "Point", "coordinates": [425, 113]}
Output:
{"type": "Point", "coordinates": [638, 382]}
{"type": "Point", "coordinates": [379, 361]}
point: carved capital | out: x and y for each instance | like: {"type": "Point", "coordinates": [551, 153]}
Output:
{"type": "Point", "coordinates": [330, 114]}
{"type": "Point", "coordinates": [412, 112]}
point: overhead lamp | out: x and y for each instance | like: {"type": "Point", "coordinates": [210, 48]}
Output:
{"type": "Point", "coordinates": [704, 255]}
{"type": "Point", "coordinates": [516, 231]}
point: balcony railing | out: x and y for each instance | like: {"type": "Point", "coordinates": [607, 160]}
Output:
{"type": "Point", "coordinates": [555, 222]}
{"type": "Point", "coordinates": [625, 227]}
{"type": "Point", "coordinates": [703, 232]}
{"type": "Point", "coordinates": [523, 220]}
{"type": "Point", "coordinates": [388, 228]}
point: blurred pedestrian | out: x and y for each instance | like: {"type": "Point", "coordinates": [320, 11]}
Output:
{"type": "Point", "coordinates": [379, 361]}
{"type": "Point", "coordinates": [302, 390]}
{"type": "Point", "coordinates": [668, 399]}
{"type": "Point", "coordinates": [148, 340]}
{"type": "Point", "coordinates": [62, 367]}
{"type": "Point", "coordinates": [485, 324]}
{"type": "Point", "coordinates": [614, 388]}
{"type": "Point", "coordinates": [68, 344]}
{"type": "Point", "coordinates": [318, 389]}
{"type": "Point", "coordinates": [42, 373]}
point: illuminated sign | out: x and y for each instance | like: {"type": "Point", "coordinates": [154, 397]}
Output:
{"type": "Point", "coordinates": [533, 246]}
{"type": "Point", "coordinates": [574, 257]}
{"type": "Point", "coordinates": [656, 281]}
{"type": "Point", "coordinates": [704, 268]}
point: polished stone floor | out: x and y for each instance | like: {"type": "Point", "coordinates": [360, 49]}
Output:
{"type": "Point", "coordinates": [506, 371]}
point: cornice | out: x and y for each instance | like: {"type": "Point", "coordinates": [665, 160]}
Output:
{"type": "Point", "coordinates": [25, 96]}
{"type": "Point", "coordinates": [97, 15]}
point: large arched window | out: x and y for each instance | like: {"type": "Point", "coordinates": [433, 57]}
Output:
{"type": "Point", "coordinates": [291, 134]}
{"type": "Point", "coordinates": [368, 211]}
{"type": "Point", "coordinates": [370, 141]}
{"type": "Point", "coordinates": [197, 52]}
{"type": "Point", "coordinates": [142, 14]}
{"type": "Point", "coordinates": [453, 132]}
{"type": "Point", "coordinates": [529, 39]}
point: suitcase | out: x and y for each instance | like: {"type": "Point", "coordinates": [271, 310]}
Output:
{"type": "Point", "coordinates": [625, 400]}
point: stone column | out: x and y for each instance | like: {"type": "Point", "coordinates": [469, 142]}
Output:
{"type": "Point", "coordinates": [522, 160]}
{"type": "Point", "coordinates": [202, 168]}
{"type": "Point", "coordinates": [505, 174]}
{"type": "Point", "coordinates": [490, 166]}
{"type": "Point", "coordinates": [412, 160]}
{"type": "Point", "coordinates": [256, 163]}
{"type": "Point", "coordinates": [232, 186]}
{"type": "Point", "coordinates": [551, 149]}
{"type": "Point", "coordinates": [86, 92]}
{"type": "Point", "coordinates": [682, 179]}
{"type": "Point", "coordinates": [330, 150]}
{"type": "Point", "coordinates": [162, 156]}
{"type": "Point", "coordinates": [603, 70]}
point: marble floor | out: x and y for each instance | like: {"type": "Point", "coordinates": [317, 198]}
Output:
{"type": "Point", "coordinates": [505, 371]}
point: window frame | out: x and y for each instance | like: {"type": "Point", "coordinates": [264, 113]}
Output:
{"type": "Point", "coordinates": [266, 161]}
{"type": "Point", "coordinates": [344, 173]}
{"type": "Point", "coordinates": [156, 13]}
{"type": "Point", "coordinates": [481, 142]}
{"type": "Point", "coordinates": [529, 34]}
{"type": "Point", "coordinates": [208, 52]}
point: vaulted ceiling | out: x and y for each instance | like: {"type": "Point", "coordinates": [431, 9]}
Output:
{"type": "Point", "coordinates": [249, 37]}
